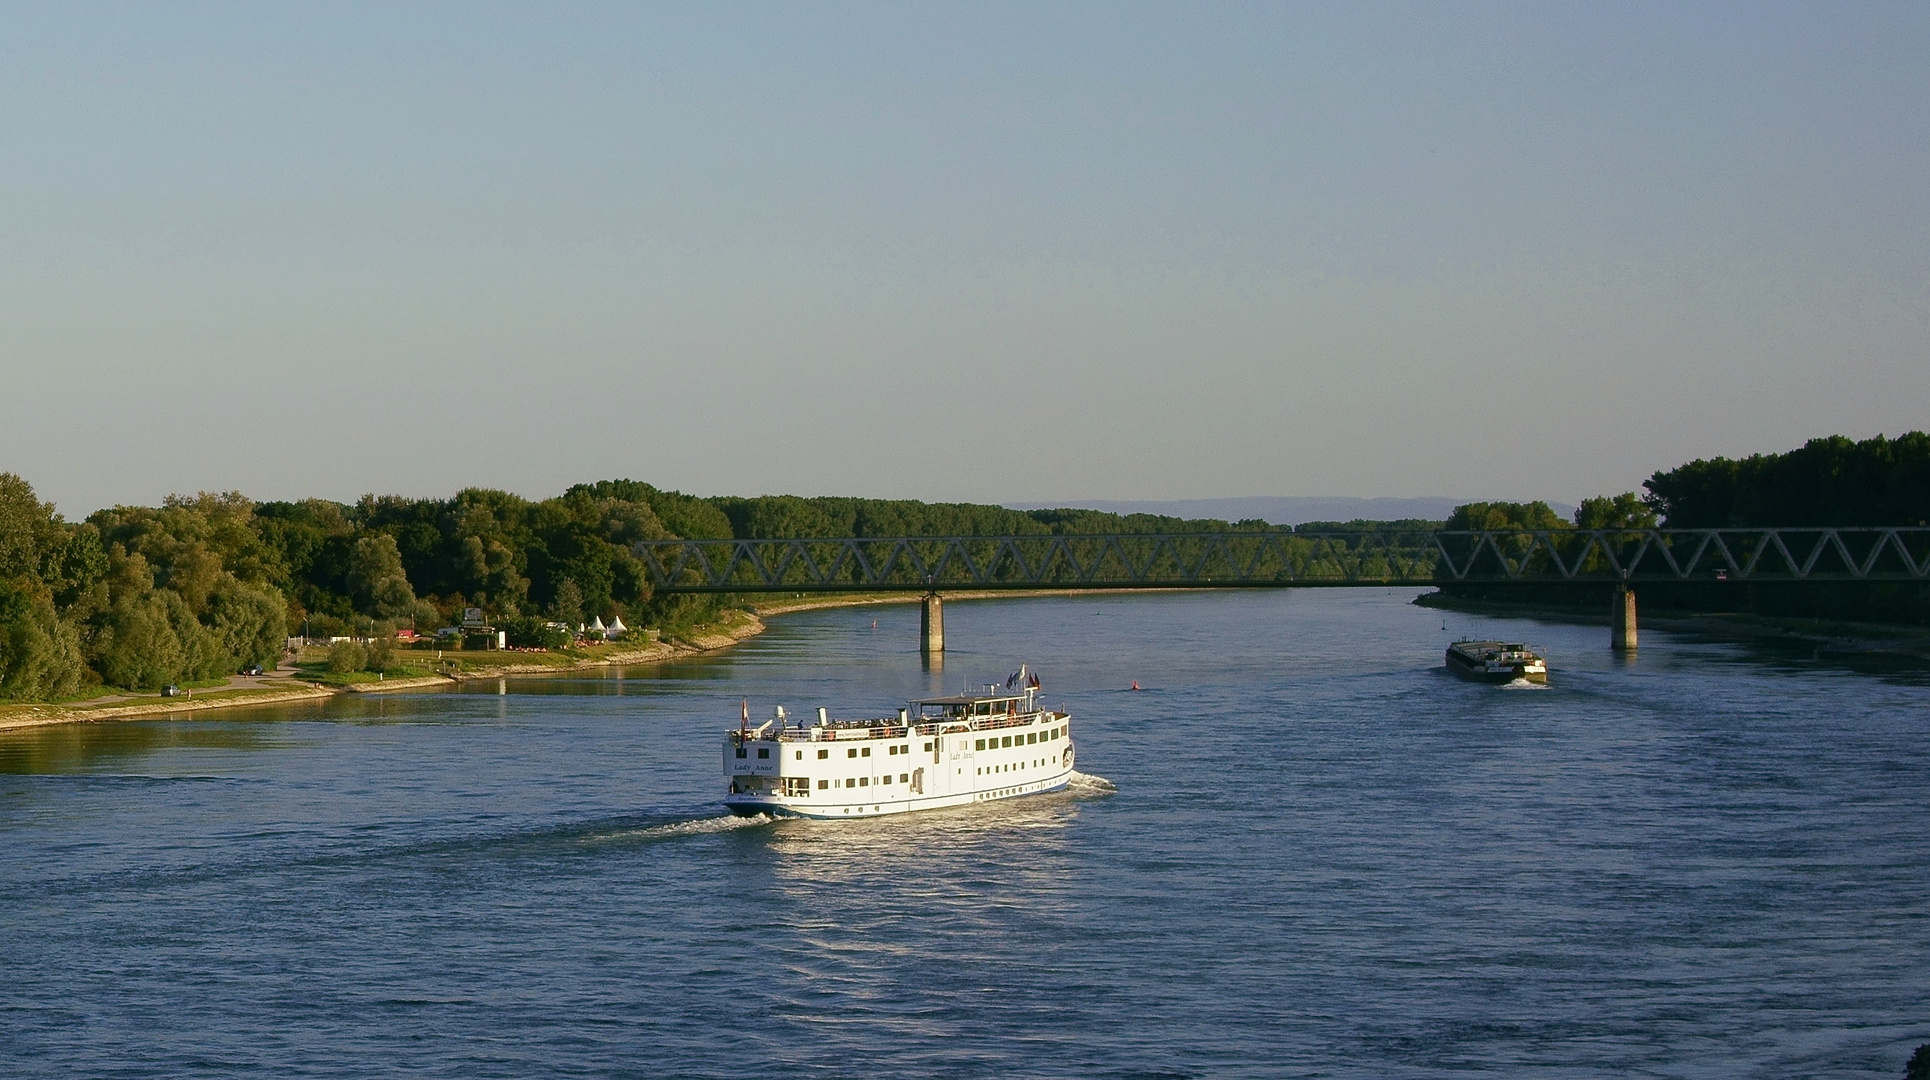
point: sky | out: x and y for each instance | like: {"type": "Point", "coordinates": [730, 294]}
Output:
{"type": "Point", "coordinates": [979, 251]}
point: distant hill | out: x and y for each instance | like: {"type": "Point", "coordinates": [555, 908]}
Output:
{"type": "Point", "coordinates": [1279, 509]}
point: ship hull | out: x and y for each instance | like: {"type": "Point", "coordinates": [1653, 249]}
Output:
{"type": "Point", "coordinates": [751, 806]}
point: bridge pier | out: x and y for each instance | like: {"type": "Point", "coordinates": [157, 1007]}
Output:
{"type": "Point", "coordinates": [1621, 618]}
{"type": "Point", "coordinates": [931, 626]}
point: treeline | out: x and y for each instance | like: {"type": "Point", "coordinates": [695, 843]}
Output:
{"type": "Point", "coordinates": [1833, 482]}
{"type": "Point", "coordinates": [1827, 483]}
{"type": "Point", "coordinates": [137, 597]}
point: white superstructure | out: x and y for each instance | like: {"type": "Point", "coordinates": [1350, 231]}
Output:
{"type": "Point", "coordinates": [944, 751]}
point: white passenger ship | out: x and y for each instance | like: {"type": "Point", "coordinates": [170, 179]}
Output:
{"type": "Point", "coordinates": [943, 751]}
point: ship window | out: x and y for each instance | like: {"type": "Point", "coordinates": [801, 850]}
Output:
{"type": "Point", "coordinates": [822, 784]}
{"type": "Point", "coordinates": [764, 751]}
{"type": "Point", "coordinates": [824, 754]}
{"type": "Point", "coordinates": [853, 752]}
{"type": "Point", "coordinates": [866, 751]}
{"type": "Point", "coordinates": [928, 746]}
{"type": "Point", "coordinates": [1006, 741]}
{"type": "Point", "coordinates": [741, 752]}
{"type": "Point", "coordinates": [885, 779]}
{"type": "Point", "coordinates": [800, 755]}
{"type": "Point", "coordinates": [904, 778]}
{"type": "Point", "coordinates": [981, 745]}
{"type": "Point", "coordinates": [864, 781]}
{"type": "Point", "coordinates": [1032, 738]}
{"type": "Point", "coordinates": [850, 783]}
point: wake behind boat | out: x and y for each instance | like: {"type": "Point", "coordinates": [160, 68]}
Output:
{"type": "Point", "coordinates": [942, 751]}
{"type": "Point", "coordinates": [1496, 662]}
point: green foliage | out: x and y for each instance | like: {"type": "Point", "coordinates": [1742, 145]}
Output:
{"type": "Point", "coordinates": [250, 621]}
{"type": "Point", "coordinates": [530, 632]}
{"type": "Point", "coordinates": [1918, 1067]}
{"type": "Point", "coordinates": [40, 656]}
{"type": "Point", "coordinates": [193, 588]}
{"type": "Point", "coordinates": [381, 649]}
{"type": "Point", "coordinates": [1624, 511]}
{"type": "Point", "coordinates": [375, 576]}
{"type": "Point", "coordinates": [568, 605]}
{"type": "Point", "coordinates": [150, 638]}
{"type": "Point", "coordinates": [1505, 515]}
{"type": "Point", "coordinates": [345, 657]}
{"type": "Point", "coordinates": [1828, 482]}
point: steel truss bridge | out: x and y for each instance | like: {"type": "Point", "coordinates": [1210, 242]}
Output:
{"type": "Point", "coordinates": [1268, 560]}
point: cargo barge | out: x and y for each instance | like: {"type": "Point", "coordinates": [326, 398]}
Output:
{"type": "Point", "coordinates": [1496, 662]}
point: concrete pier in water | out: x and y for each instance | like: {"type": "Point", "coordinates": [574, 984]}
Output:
{"type": "Point", "coordinates": [931, 625]}
{"type": "Point", "coordinates": [1622, 620]}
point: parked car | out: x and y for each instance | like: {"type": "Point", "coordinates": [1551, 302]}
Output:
{"type": "Point", "coordinates": [251, 669]}
{"type": "Point", "coordinates": [170, 690]}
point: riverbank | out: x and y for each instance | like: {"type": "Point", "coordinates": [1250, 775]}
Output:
{"type": "Point", "coordinates": [278, 691]}
{"type": "Point", "coordinates": [479, 666]}
{"type": "Point", "coordinates": [1825, 637]}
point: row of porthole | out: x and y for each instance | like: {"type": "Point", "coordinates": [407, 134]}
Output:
{"type": "Point", "coordinates": [1007, 768]}
{"type": "Point", "coordinates": [1002, 792]}
{"type": "Point", "coordinates": [865, 781]}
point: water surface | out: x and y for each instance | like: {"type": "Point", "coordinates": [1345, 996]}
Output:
{"type": "Point", "coordinates": [1312, 853]}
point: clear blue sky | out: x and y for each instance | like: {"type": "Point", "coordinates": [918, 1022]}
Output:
{"type": "Point", "coordinates": [953, 252]}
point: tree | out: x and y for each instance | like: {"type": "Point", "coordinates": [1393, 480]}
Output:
{"type": "Point", "coordinates": [29, 529]}
{"type": "Point", "coordinates": [40, 656]}
{"type": "Point", "coordinates": [1624, 511]}
{"type": "Point", "coordinates": [136, 646]}
{"type": "Point", "coordinates": [568, 605]}
{"type": "Point", "coordinates": [375, 577]}
{"type": "Point", "coordinates": [250, 621]}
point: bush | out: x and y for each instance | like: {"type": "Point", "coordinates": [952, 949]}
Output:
{"type": "Point", "coordinates": [347, 656]}
{"type": "Point", "coordinates": [529, 632]}
{"type": "Point", "coordinates": [381, 651]}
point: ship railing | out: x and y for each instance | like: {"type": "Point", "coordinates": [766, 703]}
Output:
{"type": "Point", "coordinates": [853, 730]}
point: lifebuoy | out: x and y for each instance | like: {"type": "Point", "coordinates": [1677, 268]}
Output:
{"type": "Point", "coordinates": [1068, 757]}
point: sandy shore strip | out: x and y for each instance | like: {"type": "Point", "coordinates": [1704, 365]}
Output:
{"type": "Point", "coordinates": [17, 717]}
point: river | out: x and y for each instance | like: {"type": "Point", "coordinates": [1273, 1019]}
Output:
{"type": "Point", "coordinates": [1300, 849]}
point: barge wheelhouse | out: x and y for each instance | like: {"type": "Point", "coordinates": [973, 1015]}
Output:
{"type": "Point", "coordinates": [943, 751]}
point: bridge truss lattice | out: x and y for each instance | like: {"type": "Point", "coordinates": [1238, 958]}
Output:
{"type": "Point", "coordinates": [1285, 560]}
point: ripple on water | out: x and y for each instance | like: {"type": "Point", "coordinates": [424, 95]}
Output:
{"type": "Point", "coordinates": [1309, 854]}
